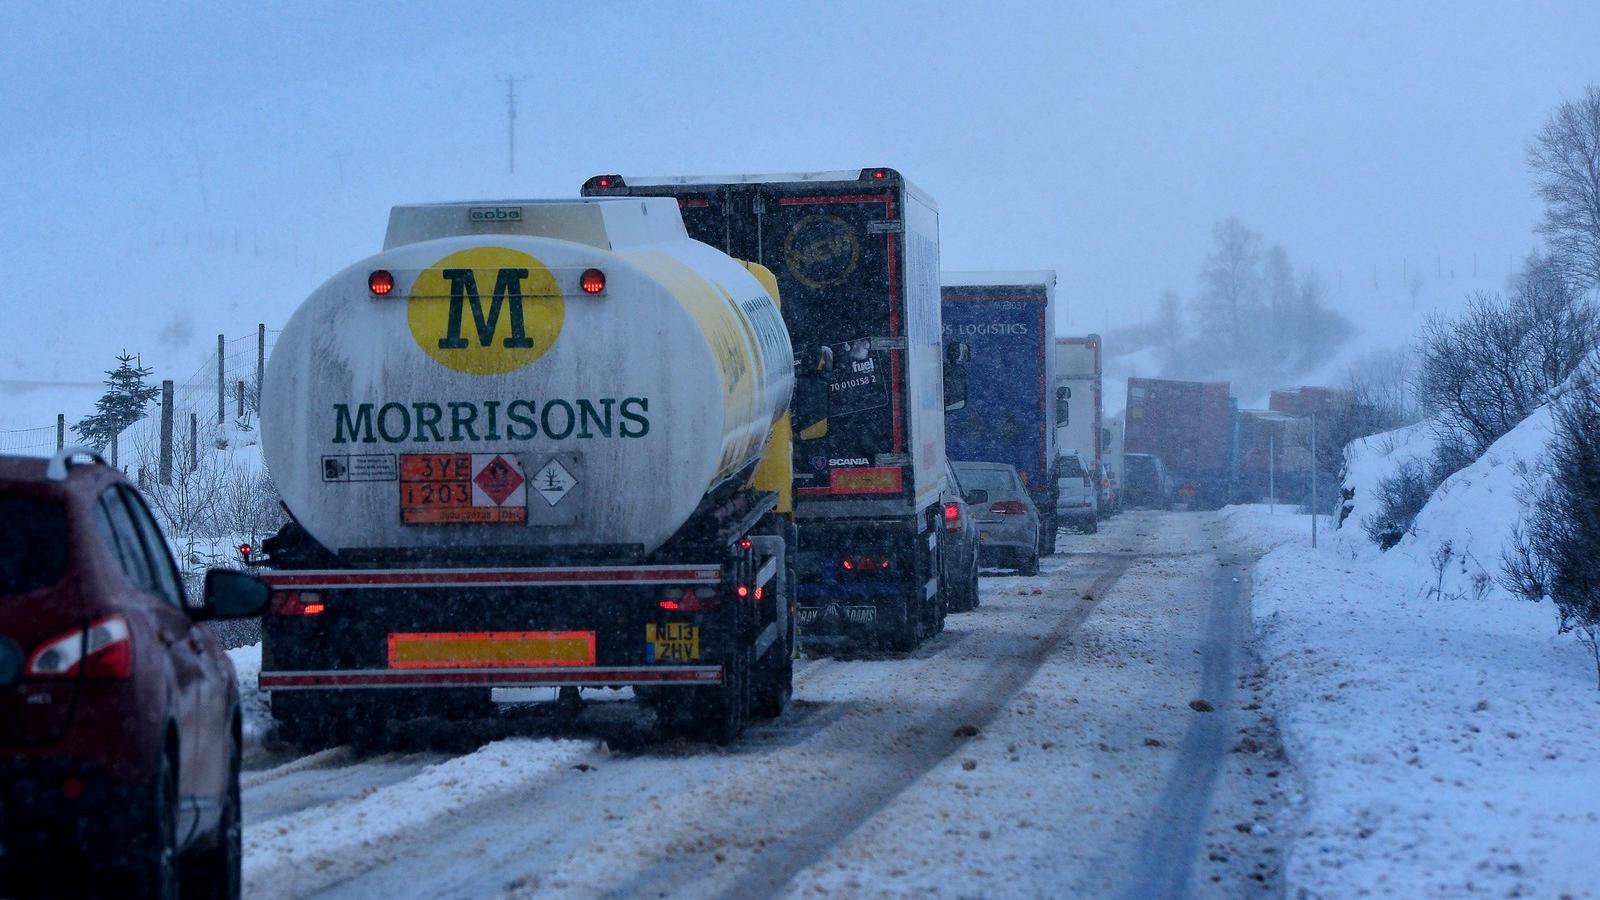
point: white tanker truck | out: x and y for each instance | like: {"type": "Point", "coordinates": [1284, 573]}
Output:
{"type": "Point", "coordinates": [531, 443]}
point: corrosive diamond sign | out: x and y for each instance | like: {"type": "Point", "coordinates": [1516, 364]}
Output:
{"type": "Point", "coordinates": [553, 481]}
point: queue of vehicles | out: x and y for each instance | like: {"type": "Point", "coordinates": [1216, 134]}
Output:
{"type": "Point", "coordinates": [641, 439]}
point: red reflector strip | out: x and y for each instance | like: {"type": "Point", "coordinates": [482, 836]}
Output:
{"type": "Point", "coordinates": [591, 677]}
{"type": "Point", "coordinates": [491, 649]}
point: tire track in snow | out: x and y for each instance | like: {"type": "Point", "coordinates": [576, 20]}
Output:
{"type": "Point", "coordinates": [875, 781]}
{"type": "Point", "coordinates": [1163, 862]}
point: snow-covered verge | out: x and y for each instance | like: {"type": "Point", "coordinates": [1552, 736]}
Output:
{"type": "Point", "coordinates": [284, 855]}
{"type": "Point", "coordinates": [253, 701]}
{"type": "Point", "coordinates": [1447, 744]}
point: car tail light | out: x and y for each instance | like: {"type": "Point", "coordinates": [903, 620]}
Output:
{"type": "Point", "coordinates": [295, 603]}
{"type": "Point", "coordinates": [688, 600]}
{"type": "Point", "coordinates": [1008, 508]}
{"type": "Point", "coordinates": [952, 517]}
{"type": "Point", "coordinates": [103, 650]}
{"type": "Point", "coordinates": [380, 283]}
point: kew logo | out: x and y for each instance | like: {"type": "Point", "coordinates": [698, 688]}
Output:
{"type": "Point", "coordinates": [464, 293]}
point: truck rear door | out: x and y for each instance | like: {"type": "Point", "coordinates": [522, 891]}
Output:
{"type": "Point", "coordinates": [836, 252]}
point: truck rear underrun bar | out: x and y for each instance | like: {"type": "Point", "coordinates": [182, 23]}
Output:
{"type": "Point", "coordinates": [332, 579]}
{"type": "Point", "coordinates": [562, 677]}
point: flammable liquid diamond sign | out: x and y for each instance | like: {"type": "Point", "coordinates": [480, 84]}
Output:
{"type": "Point", "coordinates": [553, 481]}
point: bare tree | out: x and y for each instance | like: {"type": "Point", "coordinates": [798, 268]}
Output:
{"type": "Point", "coordinates": [1414, 283]}
{"type": "Point", "coordinates": [1555, 552]}
{"type": "Point", "coordinates": [1484, 372]}
{"type": "Point", "coordinates": [1169, 324]}
{"type": "Point", "coordinates": [1230, 284]}
{"type": "Point", "coordinates": [1565, 158]}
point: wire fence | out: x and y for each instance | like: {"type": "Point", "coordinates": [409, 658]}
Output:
{"type": "Point", "coordinates": [234, 383]}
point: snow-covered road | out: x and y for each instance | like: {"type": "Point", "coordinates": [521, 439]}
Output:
{"type": "Point", "coordinates": [1084, 732]}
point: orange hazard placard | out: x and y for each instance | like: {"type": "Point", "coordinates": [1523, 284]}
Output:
{"type": "Point", "coordinates": [462, 488]}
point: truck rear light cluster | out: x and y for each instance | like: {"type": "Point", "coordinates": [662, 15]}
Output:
{"type": "Point", "coordinates": [864, 564]}
{"type": "Point", "coordinates": [688, 600]}
{"type": "Point", "coordinates": [1008, 508]}
{"type": "Point", "coordinates": [952, 517]}
{"type": "Point", "coordinates": [296, 603]}
{"type": "Point", "coordinates": [593, 281]}
{"type": "Point", "coordinates": [103, 650]}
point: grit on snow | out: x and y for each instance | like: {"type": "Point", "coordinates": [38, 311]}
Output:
{"type": "Point", "coordinates": [1024, 752]}
{"type": "Point", "coordinates": [1446, 741]}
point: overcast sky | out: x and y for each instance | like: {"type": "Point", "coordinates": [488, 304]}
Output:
{"type": "Point", "coordinates": [1099, 139]}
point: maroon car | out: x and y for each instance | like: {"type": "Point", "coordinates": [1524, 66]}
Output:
{"type": "Point", "coordinates": [119, 711]}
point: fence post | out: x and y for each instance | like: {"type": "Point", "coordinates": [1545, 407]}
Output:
{"type": "Point", "coordinates": [222, 381]}
{"type": "Point", "coordinates": [194, 441]}
{"type": "Point", "coordinates": [61, 431]}
{"type": "Point", "coordinates": [261, 357]}
{"type": "Point", "coordinates": [164, 468]}
{"type": "Point", "coordinates": [241, 399]}
{"type": "Point", "coordinates": [114, 437]}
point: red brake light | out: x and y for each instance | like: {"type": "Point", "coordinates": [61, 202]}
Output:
{"type": "Point", "coordinates": [103, 650]}
{"type": "Point", "coordinates": [380, 283]}
{"type": "Point", "coordinates": [863, 563]}
{"type": "Point", "coordinates": [952, 516]}
{"type": "Point", "coordinates": [743, 591]}
{"type": "Point", "coordinates": [295, 603]}
{"type": "Point", "coordinates": [593, 281]}
{"type": "Point", "coordinates": [879, 174]}
{"type": "Point", "coordinates": [746, 543]}
{"type": "Point", "coordinates": [604, 182]}
{"type": "Point", "coordinates": [686, 600]}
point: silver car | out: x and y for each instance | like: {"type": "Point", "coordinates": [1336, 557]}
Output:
{"type": "Point", "coordinates": [1008, 523]}
{"type": "Point", "coordinates": [1077, 497]}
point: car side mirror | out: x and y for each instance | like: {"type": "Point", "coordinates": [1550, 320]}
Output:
{"type": "Point", "coordinates": [955, 388]}
{"type": "Point", "coordinates": [976, 498]}
{"type": "Point", "coordinates": [231, 594]}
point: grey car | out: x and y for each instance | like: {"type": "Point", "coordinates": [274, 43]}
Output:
{"type": "Point", "coordinates": [1077, 497]}
{"type": "Point", "coordinates": [1008, 522]}
{"type": "Point", "coordinates": [958, 548]}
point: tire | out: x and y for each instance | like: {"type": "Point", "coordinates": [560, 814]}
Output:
{"type": "Point", "coordinates": [154, 865]}
{"type": "Point", "coordinates": [1030, 565]}
{"type": "Point", "coordinates": [306, 723]}
{"type": "Point", "coordinates": [715, 714]}
{"type": "Point", "coordinates": [1091, 525]}
{"type": "Point", "coordinates": [972, 586]}
{"type": "Point", "coordinates": [214, 872]}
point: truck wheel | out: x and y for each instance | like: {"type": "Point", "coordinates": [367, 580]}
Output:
{"type": "Point", "coordinates": [306, 723]}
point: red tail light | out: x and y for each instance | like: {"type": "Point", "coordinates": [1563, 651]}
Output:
{"type": "Point", "coordinates": [103, 650]}
{"type": "Point", "coordinates": [687, 600]}
{"type": "Point", "coordinates": [593, 281]}
{"type": "Point", "coordinates": [864, 564]}
{"type": "Point", "coordinates": [295, 603]}
{"type": "Point", "coordinates": [380, 283]}
{"type": "Point", "coordinates": [1008, 508]}
{"type": "Point", "coordinates": [952, 517]}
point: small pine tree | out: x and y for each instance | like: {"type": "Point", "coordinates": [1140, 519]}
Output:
{"type": "Point", "coordinates": [122, 405]}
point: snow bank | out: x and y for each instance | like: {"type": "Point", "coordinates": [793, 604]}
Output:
{"type": "Point", "coordinates": [283, 854]}
{"type": "Point", "coordinates": [1447, 745]}
{"type": "Point", "coordinates": [1369, 460]}
{"type": "Point", "coordinates": [253, 701]}
{"type": "Point", "coordinates": [1467, 523]}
